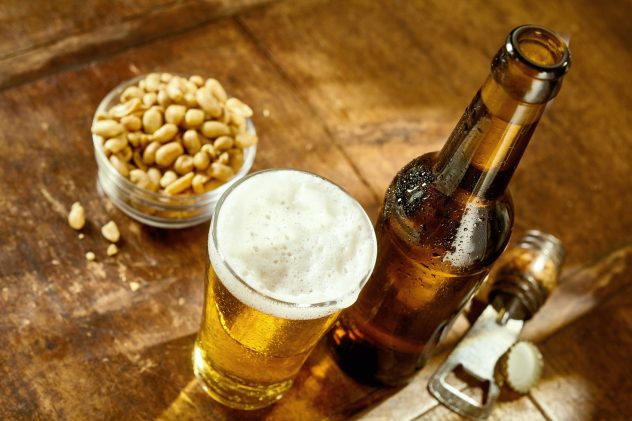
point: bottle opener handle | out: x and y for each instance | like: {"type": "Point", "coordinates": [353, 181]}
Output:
{"type": "Point", "coordinates": [476, 355]}
{"type": "Point", "coordinates": [459, 401]}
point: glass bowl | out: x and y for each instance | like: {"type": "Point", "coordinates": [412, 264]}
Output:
{"type": "Point", "coordinates": [158, 209]}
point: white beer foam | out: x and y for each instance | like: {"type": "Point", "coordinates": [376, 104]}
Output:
{"type": "Point", "coordinates": [297, 239]}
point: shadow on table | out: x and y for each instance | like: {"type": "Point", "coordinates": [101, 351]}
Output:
{"type": "Point", "coordinates": [321, 390]}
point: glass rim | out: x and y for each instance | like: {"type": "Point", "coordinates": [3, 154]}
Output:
{"type": "Point", "coordinates": [556, 70]}
{"type": "Point", "coordinates": [243, 282]}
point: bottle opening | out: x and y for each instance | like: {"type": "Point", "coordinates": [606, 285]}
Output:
{"type": "Point", "coordinates": [541, 48]}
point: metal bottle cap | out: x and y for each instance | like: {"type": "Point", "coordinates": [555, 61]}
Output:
{"type": "Point", "coordinates": [520, 367]}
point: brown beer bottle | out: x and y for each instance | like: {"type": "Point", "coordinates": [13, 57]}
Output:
{"type": "Point", "coordinates": [447, 217]}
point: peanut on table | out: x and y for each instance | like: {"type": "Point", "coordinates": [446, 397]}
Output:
{"type": "Point", "coordinates": [174, 135]}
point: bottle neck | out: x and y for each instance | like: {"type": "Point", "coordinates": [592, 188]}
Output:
{"type": "Point", "coordinates": [485, 148]}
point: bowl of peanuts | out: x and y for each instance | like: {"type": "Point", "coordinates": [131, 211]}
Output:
{"type": "Point", "coordinates": [167, 146]}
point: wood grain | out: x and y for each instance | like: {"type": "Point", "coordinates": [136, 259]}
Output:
{"type": "Point", "coordinates": [587, 373]}
{"type": "Point", "coordinates": [352, 90]}
{"type": "Point", "coordinates": [392, 85]}
{"type": "Point", "coordinates": [520, 410]}
{"type": "Point", "coordinates": [37, 38]}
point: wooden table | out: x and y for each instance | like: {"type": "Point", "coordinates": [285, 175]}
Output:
{"type": "Point", "coordinates": [350, 89]}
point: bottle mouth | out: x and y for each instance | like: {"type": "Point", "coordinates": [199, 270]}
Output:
{"type": "Point", "coordinates": [540, 49]}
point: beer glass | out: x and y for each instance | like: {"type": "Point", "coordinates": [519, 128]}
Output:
{"type": "Point", "coordinates": [288, 251]}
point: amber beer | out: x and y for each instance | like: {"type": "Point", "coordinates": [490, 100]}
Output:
{"type": "Point", "coordinates": [288, 251]}
{"type": "Point", "coordinates": [448, 216]}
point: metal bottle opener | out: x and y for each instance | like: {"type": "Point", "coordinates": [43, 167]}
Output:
{"type": "Point", "coordinates": [521, 284]}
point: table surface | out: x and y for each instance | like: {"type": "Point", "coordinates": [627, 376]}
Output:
{"type": "Point", "coordinates": [351, 90]}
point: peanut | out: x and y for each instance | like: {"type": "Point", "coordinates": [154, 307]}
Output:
{"type": "Point", "coordinates": [217, 90]}
{"type": "Point", "coordinates": [191, 141]}
{"type": "Point", "coordinates": [119, 165]}
{"type": "Point", "coordinates": [152, 82]}
{"type": "Point", "coordinates": [198, 80]}
{"type": "Point", "coordinates": [223, 158]}
{"type": "Point", "coordinates": [149, 154]}
{"type": "Point", "coordinates": [174, 92]}
{"type": "Point", "coordinates": [111, 250]}
{"type": "Point", "coordinates": [238, 107]}
{"type": "Point", "coordinates": [198, 183]}
{"type": "Point", "coordinates": [194, 118]}
{"type": "Point", "coordinates": [143, 140]}
{"type": "Point", "coordinates": [201, 160]}
{"type": "Point", "coordinates": [245, 140]}
{"type": "Point", "coordinates": [210, 150]}
{"type": "Point", "coordinates": [180, 185]}
{"type": "Point", "coordinates": [140, 178]}
{"type": "Point", "coordinates": [236, 121]}
{"type": "Point", "coordinates": [90, 256]}
{"type": "Point", "coordinates": [189, 99]}
{"type": "Point", "coordinates": [207, 101]}
{"type": "Point", "coordinates": [215, 129]}
{"type": "Point", "coordinates": [152, 120]}
{"type": "Point", "coordinates": [163, 98]}
{"type": "Point", "coordinates": [165, 133]}
{"type": "Point", "coordinates": [221, 172]}
{"type": "Point", "coordinates": [175, 113]}
{"type": "Point", "coordinates": [77, 216]}
{"type": "Point", "coordinates": [131, 123]}
{"type": "Point", "coordinates": [100, 115]}
{"type": "Point", "coordinates": [107, 128]}
{"type": "Point", "coordinates": [138, 160]}
{"type": "Point", "coordinates": [134, 139]}
{"type": "Point", "coordinates": [125, 155]}
{"type": "Point", "coordinates": [154, 175]}
{"type": "Point", "coordinates": [132, 92]}
{"type": "Point", "coordinates": [149, 99]}
{"type": "Point", "coordinates": [189, 87]}
{"type": "Point", "coordinates": [223, 143]}
{"type": "Point", "coordinates": [236, 158]}
{"type": "Point", "coordinates": [167, 154]}
{"type": "Point", "coordinates": [116, 144]}
{"type": "Point", "coordinates": [126, 108]}
{"type": "Point", "coordinates": [167, 178]}
{"type": "Point", "coordinates": [111, 232]}
{"type": "Point", "coordinates": [183, 164]}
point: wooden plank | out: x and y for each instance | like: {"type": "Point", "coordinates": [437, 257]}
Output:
{"type": "Point", "coordinates": [72, 329]}
{"type": "Point", "coordinates": [392, 85]}
{"type": "Point", "coordinates": [362, 79]}
{"type": "Point", "coordinates": [588, 374]}
{"type": "Point", "coordinates": [522, 409]}
{"type": "Point", "coordinates": [38, 37]}
{"type": "Point", "coordinates": [28, 25]}
{"type": "Point", "coordinates": [68, 326]}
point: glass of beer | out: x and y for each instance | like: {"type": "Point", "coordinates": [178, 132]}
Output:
{"type": "Point", "coordinates": [288, 251]}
